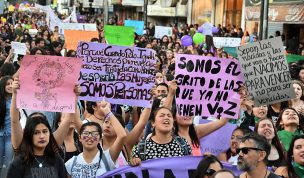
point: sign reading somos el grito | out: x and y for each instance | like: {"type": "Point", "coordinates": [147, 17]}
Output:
{"type": "Point", "coordinates": [123, 75]}
{"type": "Point", "coordinates": [207, 86]}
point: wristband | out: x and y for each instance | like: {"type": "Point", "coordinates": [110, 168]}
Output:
{"type": "Point", "coordinates": [107, 117]}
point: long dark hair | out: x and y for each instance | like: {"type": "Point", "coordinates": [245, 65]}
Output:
{"type": "Point", "coordinates": [278, 126]}
{"type": "Point", "coordinates": [192, 133]}
{"type": "Point", "coordinates": [154, 116]}
{"type": "Point", "coordinates": [275, 141]}
{"type": "Point", "coordinates": [291, 171]}
{"type": "Point", "coordinates": [204, 164]}
{"type": "Point", "coordinates": [3, 98]}
{"type": "Point", "coordinates": [26, 149]}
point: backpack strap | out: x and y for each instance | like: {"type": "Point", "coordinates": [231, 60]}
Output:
{"type": "Point", "coordinates": [141, 147]}
{"type": "Point", "coordinates": [74, 161]}
{"type": "Point", "coordinates": [105, 161]}
{"type": "Point", "coordinates": [183, 144]}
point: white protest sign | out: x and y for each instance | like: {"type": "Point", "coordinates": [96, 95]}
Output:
{"type": "Point", "coordinates": [161, 31]}
{"type": "Point", "coordinates": [90, 27]}
{"type": "Point", "coordinates": [19, 48]}
{"type": "Point", "coordinates": [220, 42]}
{"type": "Point", "coordinates": [33, 32]}
{"type": "Point", "coordinates": [267, 76]}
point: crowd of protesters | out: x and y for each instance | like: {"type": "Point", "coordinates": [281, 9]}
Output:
{"type": "Point", "coordinates": [101, 136]}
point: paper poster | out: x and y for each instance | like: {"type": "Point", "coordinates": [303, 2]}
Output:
{"type": "Point", "coordinates": [220, 42]}
{"type": "Point", "coordinates": [161, 31]}
{"type": "Point", "coordinates": [207, 86]}
{"type": "Point", "coordinates": [266, 71]}
{"type": "Point", "coordinates": [47, 83]}
{"type": "Point", "coordinates": [123, 75]}
{"type": "Point", "coordinates": [119, 35]}
{"type": "Point", "coordinates": [72, 37]}
{"type": "Point", "coordinates": [19, 48]}
{"type": "Point", "coordinates": [138, 25]}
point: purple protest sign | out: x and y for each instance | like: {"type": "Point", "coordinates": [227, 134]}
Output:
{"type": "Point", "coordinates": [222, 137]}
{"type": "Point", "coordinates": [207, 86]}
{"type": "Point", "coordinates": [178, 167]}
{"type": "Point", "coordinates": [123, 75]}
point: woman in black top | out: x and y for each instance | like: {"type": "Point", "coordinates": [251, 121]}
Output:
{"type": "Point", "coordinates": [38, 152]}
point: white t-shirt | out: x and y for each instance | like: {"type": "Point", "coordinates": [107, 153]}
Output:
{"type": "Point", "coordinates": [89, 170]}
{"type": "Point", "coordinates": [121, 161]}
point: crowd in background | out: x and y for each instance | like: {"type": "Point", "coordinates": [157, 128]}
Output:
{"type": "Point", "coordinates": [101, 136]}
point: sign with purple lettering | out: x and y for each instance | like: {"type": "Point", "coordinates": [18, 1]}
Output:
{"type": "Point", "coordinates": [123, 75]}
{"type": "Point", "coordinates": [47, 83]}
{"type": "Point", "coordinates": [207, 86]}
{"type": "Point", "coordinates": [266, 71]}
{"type": "Point", "coordinates": [178, 167]}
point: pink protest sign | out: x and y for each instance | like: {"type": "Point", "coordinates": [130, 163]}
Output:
{"type": "Point", "coordinates": [207, 86]}
{"type": "Point", "coordinates": [123, 75]}
{"type": "Point", "coordinates": [47, 83]}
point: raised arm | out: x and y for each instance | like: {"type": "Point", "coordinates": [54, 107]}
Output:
{"type": "Point", "coordinates": [9, 57]}
{"type": "Point", "coordinates": [17, 132]}
{"type": "Point", "coordinates": [121, 134]}
{"type": "Point", "coordinates": [206, 129]}
{"type": "Point", "coordinates": [133, 136]}
{"type": "Point", "coordinates": [66, 120]}
{"type": "Point", "coordinates": [171, 94]}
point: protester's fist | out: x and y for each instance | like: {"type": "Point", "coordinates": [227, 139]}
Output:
{"type": "Point", "coordinates": [135, 161]}
{"type": "Point", "coordinates": [77, 89]}
{"type": "Point", "coordinates": [105, 107]}
{"type": "Point", "coordinates": [172, 86]}
{"type": "Point", "coordinates": [15, 85]}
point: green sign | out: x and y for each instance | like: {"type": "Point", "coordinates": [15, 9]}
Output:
{"type": "Point", "coordinates": [119, 35]}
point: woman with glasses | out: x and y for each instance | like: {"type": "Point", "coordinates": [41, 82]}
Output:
{"type": "Point", "coordinates": [94, 162]}
{"type": "Point", "coordinates": [207, 167]}
{"type": "Point", "coordinates": [39, 152]}
{"type": "Point", "coordinates": [230, 155]}
{"type": "Point", "coordinates": [266, 128]}
{"type": "Point", "coordinates": [295, 160]}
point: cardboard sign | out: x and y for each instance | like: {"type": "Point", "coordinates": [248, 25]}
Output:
{"type": "Point", "coordinates": [207, 86]}
{"type": "Point", "coordinates": [123, 75]}
{"type": "Point", "coordinates": [138, 25]}
{"type": "Point", "coordinates": [119, 35]}
{"type": "Point", "coordinates": [72, 37]}
{"type": "Point", "coordinates": [161, 31]}
{"type": "Point", "coordinates": [266, 71]}
{"type": "Point", "coordinates": [47, 83]}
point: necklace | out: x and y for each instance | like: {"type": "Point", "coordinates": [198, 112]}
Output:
{"type": "Point", "coordinates": [39, 163]}
{"type": "Point", "coordinates": [264, 176]}
{"type": "Point", "coordinates": [96, 117]}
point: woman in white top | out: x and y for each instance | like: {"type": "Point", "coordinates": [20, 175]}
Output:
{"type": "Point", "coordinates": [94, 162]}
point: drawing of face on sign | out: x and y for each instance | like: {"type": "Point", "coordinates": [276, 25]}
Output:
{"type": "Point", "coordinates": [47, 76]}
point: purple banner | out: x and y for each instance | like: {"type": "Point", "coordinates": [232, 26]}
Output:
{"type": "Point", "coordinates": [123, 75]}
{"type": "Point", "coordinates": [207, 86]}
{"type": "Point", "coordinates": [178, 167]}
{"type": "Point", "coordinates": [222, 137]}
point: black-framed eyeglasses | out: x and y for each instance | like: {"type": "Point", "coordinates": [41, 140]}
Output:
{"type": "Point", "coordinates": [210, 172]}
{"type": "Point", "coordinates": [245, 150]}
{"type": "Point", "coordinates": [93, 133]}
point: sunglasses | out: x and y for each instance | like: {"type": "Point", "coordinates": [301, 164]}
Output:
{"type": "Point", "coordinates": [210, 172]}
{"type": "Point", "coordinates": [245, 150]}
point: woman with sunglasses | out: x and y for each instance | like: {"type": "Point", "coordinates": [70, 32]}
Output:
{"type": "Point", "coordinates": [207, 167]}
{"type": "Point", "coordinates": [230, 155]}
{"type": "Point", "coordinates": [39, 152]}
{"type": "Point", "coordinates": [295, 160]}
{"type": "Point", "coordinates": [266, 128]}
{"type": "Point", "coordinates": [288, 126]}
{"type": "Point", "coordinates": [94, 162]}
